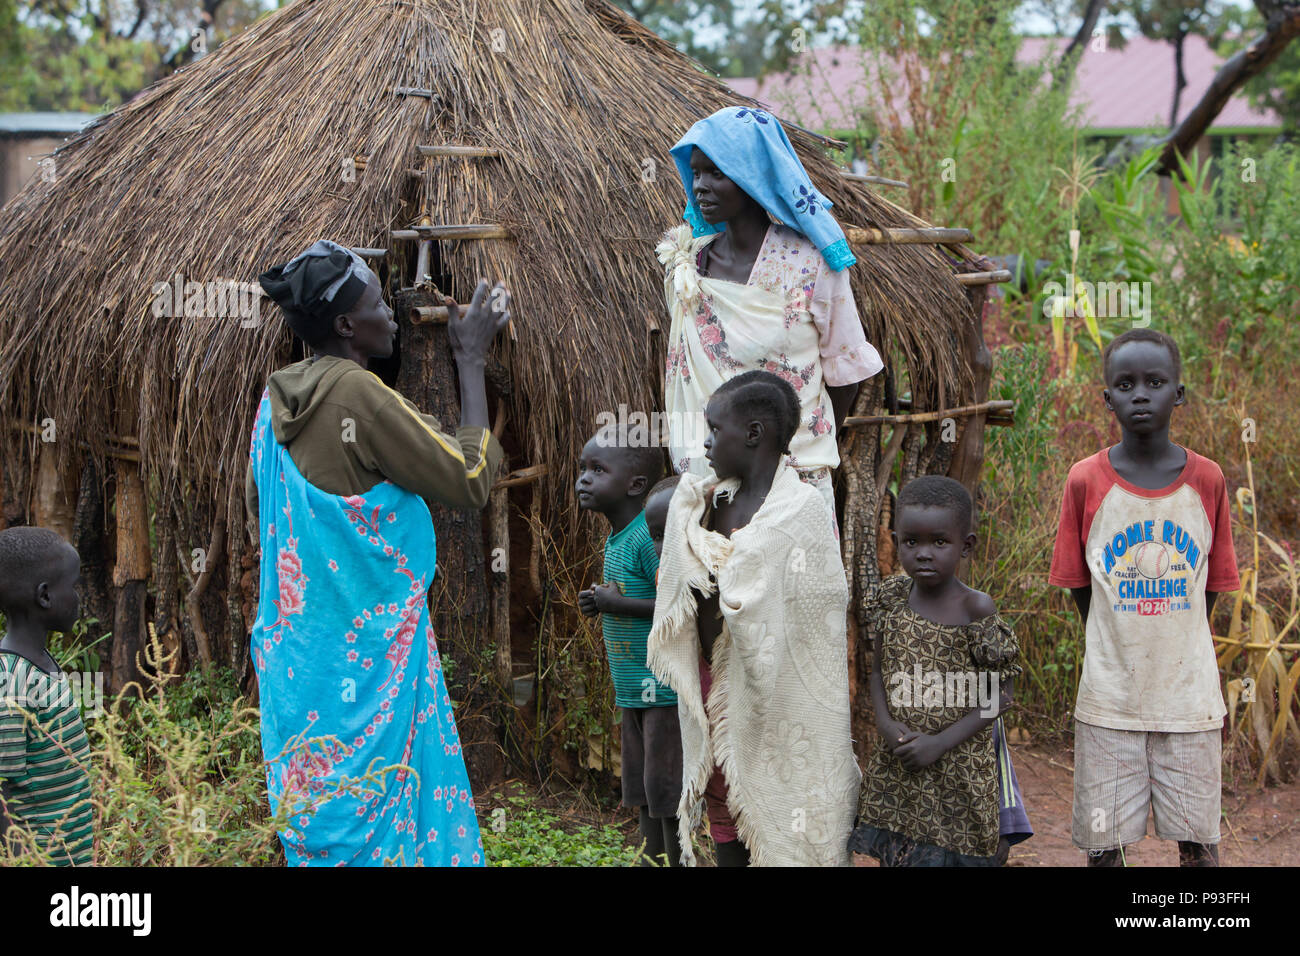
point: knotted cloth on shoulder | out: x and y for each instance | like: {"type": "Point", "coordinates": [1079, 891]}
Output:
{"type": "Point", "coordinates": [777, 720]}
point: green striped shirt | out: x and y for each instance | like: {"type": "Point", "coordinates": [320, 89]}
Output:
{"type": "Point", "coordinates": [632, 565]}
{"type": "Point", "coordinates": [44, 760]}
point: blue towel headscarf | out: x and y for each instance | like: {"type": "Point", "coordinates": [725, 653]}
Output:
{"type": "Point", "coordinates": [751, 149]}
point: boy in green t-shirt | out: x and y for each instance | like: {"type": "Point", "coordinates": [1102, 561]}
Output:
{"type": "Point", "coordinates": [44, 786]}
{"type": "Point", "coordinates": [615, 475]}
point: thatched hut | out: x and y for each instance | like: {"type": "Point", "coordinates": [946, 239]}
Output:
{"type": "Point", "coordinates": [523, 141]}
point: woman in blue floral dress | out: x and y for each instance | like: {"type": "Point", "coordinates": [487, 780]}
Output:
{"type": "Point", "coordinates": [363, 759]}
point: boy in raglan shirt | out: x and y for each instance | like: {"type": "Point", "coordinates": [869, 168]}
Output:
{"type": "Point", "coordinates": [1145, 546]}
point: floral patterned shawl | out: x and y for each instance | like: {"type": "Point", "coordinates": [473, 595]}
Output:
{"type": "Point", "coordinates": [357, 728]}
{"type": "Point", "coordinates": [720, 329]}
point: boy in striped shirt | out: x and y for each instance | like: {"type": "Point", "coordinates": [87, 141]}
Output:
{"type": "Point", "coordinates": [44, 785]}
{"type": "Point", "coordinates": [616, 472]}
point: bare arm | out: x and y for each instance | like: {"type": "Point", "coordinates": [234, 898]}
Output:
{"type": "Point", "coordinates": [921, 750]}
{"type": "Point", "coordinates": [975, 719]}
{"type": "Point", "coordinates": [1082, 600]}
{"type": "Point", "coordinates": [471, 336]}
{"type": "Point", "coordinates": [842, 397]}
{"type": "Point", "coordinates": [606, 599]}
{"type": "Point", "coordinates": [891, 731]}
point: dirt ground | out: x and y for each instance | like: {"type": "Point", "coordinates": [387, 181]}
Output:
{"type": "Point", "coordinates": [1260, 828]}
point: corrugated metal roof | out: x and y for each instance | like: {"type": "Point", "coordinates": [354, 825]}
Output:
{"type": "Point", "coordinates": [1116, 89]}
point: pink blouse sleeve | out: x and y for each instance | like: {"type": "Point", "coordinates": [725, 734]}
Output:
{"type": "Point", "coordinates": [847, 356]}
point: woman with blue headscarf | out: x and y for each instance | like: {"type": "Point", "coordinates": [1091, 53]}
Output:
{"type": "Point", "coordinates": [758, 279]}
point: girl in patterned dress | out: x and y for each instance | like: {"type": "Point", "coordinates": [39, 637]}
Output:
{"type": "Point", "coordinates": [943, 666]}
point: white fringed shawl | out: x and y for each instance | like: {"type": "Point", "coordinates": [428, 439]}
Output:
{"type": "Point", "coordinates": [778, 713]}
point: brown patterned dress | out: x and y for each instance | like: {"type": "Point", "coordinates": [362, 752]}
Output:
{"type": "Point", "coordinates": [946, 813]}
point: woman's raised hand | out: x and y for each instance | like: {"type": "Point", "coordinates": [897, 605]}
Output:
{"type": "Point", "coordinates": [471, 335]}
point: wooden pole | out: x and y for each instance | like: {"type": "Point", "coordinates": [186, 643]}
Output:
{"type": "Point", "coordinates": [55, 497]}
{"type": "Point", "coordinates": [474, 231]}
{"type": "Point", "coordinates": [940, 415]}
{"type": "Point", "coordinates": [422, 261]}
{"type": "Point", "coordinates": [202, 642]}
{"type": "Point", "coordinates": [983, 278]}
{"type": "Point", "coordinates": [874, 180]}
{"type": "Point", "coordinates": [524, 476]}
{"type": "Point", "coordinates": [863, 236]}
{"type": "Point", "coordinates": [442, 152]}
{"type": "Point", "coordinates": [461, 593]}
{"type": "Point", "coordinates": [428, 315]}
{"type": "Point", "coordinates": [499, 565]}
{"type": "Point", "coordinates": [131, 574]}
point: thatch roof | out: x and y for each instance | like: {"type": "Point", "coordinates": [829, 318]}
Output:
{"type": "Point", "coordinates": [233, 165]}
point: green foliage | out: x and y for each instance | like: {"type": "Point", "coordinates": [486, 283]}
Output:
{"type": "Point", "coordinates": [530, 835]}
{"type": "Point", "coordinates": [91, 55]}
{"type": "Point", "coordinates": [975, 133]}
{"type": "Point", "coordinates": [178, 778]}
{"type": "Point", "coordinates": [59, 72]}
{"type": "Point", "coordinates": [1015, 539]}
{"type": "Point", "coordinates": [1240, 291]}
{"type": "Point", "coordinates": [1278, 87]}
{"type": "Point", "coordinates": [734, 38]}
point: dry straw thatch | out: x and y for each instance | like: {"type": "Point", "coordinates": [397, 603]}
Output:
{"type": "Point", "coordinates": [233, 165]}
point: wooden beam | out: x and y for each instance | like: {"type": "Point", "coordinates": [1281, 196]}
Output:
{"type": "Point", "coordinates": [498, 521]}
{"type": "Point", "coordinates": [915, 417]}
{"type": "Point", "coordinates": [983, 278]}
{"type": "Point", "coordinates": [523, 476]}
{"type": "Point", "coordinates": [476, 231]}
{"type": "Point", "coordinates": [428, 314]}
{"type": "Point", "coordinates": [124, 448]}
{"type": "Point", "coordinates": [369, 253]}
{"type": "Point", "coordinates": [444, 152]}
{"type": "Point", "coordinates": [864, 236]}
{"type": "Point", "coordinates": [874, 180]}
{"type": "Point", "coordinates": [414, 91]}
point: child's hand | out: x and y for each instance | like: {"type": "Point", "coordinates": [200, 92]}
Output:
{"type": "Point", "coordinates": [892, 734]}
{"type": "Point", "coordinates": [587, 602]}
{"type": "Point", "coordinates": [606, 597]}
{"type": "Point", "coordinates": [918, 750]}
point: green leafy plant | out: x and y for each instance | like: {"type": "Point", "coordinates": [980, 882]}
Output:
{"type": "Point", "coordinates": [530, 835]}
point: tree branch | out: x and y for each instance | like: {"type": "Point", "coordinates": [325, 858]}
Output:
{"type": "Point", "coordinates": [141, 13]}
{"type": "Point", "coordinates": [1070, 58]}
{"type": "Point", "coordinates": [1283, 27]}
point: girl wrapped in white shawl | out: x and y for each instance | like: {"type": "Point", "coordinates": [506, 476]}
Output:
{"type": "Point", "coordinates": [777, 717]}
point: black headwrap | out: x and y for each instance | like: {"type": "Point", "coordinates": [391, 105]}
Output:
{"type": "Point", "coordinates": [315, 287]}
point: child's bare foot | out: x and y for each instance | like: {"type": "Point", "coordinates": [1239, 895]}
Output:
{"type": "Point", "coordinates": [1104, 858]}
{"type": "Point", "coordinates": [1197, 854]}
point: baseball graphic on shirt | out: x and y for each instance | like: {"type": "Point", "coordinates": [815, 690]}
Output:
{"type": "Point", "coordinates": [1151, 559]}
